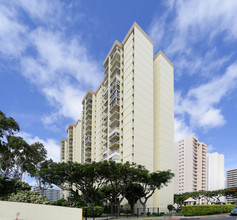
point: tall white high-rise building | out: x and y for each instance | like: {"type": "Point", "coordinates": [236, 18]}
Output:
{"type": "Point", "coordinates": [215, 171]}
{"type": "Point", "coordinates": [130, 117]}
{"type": "Point", "coordinates": [190, 165]}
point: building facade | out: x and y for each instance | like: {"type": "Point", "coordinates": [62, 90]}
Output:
{"type": "Point", "coordinates": [130, 117]}
{"type": "Point", "coordinates": [51, 194]}
{"type": "Point", "coordinates": [190, 165]}
{"type": "Point", "coordinates": [231, 181]}
{"type": "Point", "coordinates": [70, 147]}
{"type": "Point", "coordinates": [215, 171]}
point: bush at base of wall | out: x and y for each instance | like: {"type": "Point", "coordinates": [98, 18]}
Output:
{"type": "Point", "coordinates": [95, 211]}
{"type": "Point", "coordinates": [196, 210]}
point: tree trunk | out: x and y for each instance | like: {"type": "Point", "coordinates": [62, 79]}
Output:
{"type": "Point", "coordinates": [118, 209]}
{"type": "Point", "coordinates": [132, 208]}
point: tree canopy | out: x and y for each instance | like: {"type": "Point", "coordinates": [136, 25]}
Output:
{"type": "Point", "coordinates": [107, 178]}
{"type": "Point", "coordinates": [17, 157]}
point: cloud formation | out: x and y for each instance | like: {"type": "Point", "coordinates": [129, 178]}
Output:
{"type": "Point", "coordinates": [51, 145]}
{"type": "Point", "coordinates": [61, 67]}
{"type": "Point", "coordinates": [190, 40]}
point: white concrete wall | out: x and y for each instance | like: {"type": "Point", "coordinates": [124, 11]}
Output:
{"type": "Point", "coordinates": [27, 211]}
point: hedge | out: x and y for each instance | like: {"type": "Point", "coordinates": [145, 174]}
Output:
{"type": "Point", "coordinates": [96, 211]}
{"type": "Point", "coordinates": [196, 210]}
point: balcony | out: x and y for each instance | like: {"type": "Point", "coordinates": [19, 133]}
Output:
{"type": "Point", "coordinates": [89, 111]}
{"type": "Point", "coordinates": [114, 143]}
{"type": "Point", "coordinates": [114, 112]}
{"type": "Point", "coordinates": [106, 69]}
{"type": "Point", "coordinates": [105, 135]}
{"type": "Point", "coordinates": [115, 52]}
{"type": "Point", "coordinates": [116, 93]}
{"type": "Point", "coordinates": [106, 92]}
{"type": "Point", "coordinates": [105, 119]}
{"type": "Point", "coordinates": [88, 118]}
{"type": "Point", "coordinates": [88, 152]}
{"type": "Point", "coordinates": [115, 103]}
{"type": "Point", "coordinates": [88, 160]}
{"type": "Point", "coordinates": [115, 67]}
{"type": "Point", "coordinates": [115, 158]}
{"type": "Point", "coordinates": [88, 131]}
{"type": "Point", "coordinates": [115, 61]}
{"type": "Point", "coordinates": [105, 156]}
{"type": "Point", "coordinates": [115, 80]}
{"type": "Point", "coordinates": [114, 135]}
{"type": "Point", "coordinates": [88, 139]}
{"type": "Point", "coordinates": [115, 151]}
{"type": "Point", "coordinates": [105, 82]}
{"type": "Point", "coordinates": [114, 120]}
{"type": "Point", "coordinates": [105, 128]}
{"type": "Point", "coordinates": [105, 102]}
{"type": "Point", "coordinates": [105, 109]}
{"type": "Point", "coordinates": [116, 126]}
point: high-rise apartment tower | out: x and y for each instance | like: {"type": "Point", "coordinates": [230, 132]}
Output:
{"type": "Point", "coordinates": [215, 171]}
{"type": "Point", "coordinates": [130, 117]}
{"type": "Point", "coordinates": [190, 165]}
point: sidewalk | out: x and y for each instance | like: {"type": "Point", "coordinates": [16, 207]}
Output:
{"type": "Point", "coordinates": [173, 217]}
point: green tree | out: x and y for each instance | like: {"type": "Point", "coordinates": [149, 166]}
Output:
{"type": "Point", "coordinates": [86, 178]}
{"type": "Point", "coordinates": [9, 186]}
{"type": "Point", "coordinates": [133, 193]}
{"type": "Point", "coordinates": [28, 197]}
{"type": "Point", "coordinates": [8, 126]}
{"type": "Point", "coordinates": [16, 156]}
{"type": "Point", "coordinates": [151, 182]}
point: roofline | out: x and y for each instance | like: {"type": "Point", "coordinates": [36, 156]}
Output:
{"type": "Point", "coordinates": [140, 29]}
{"type": "Point", "coordinates": [166, 58]}
{"type": "Point", "coordinates": [126, 37]}
{"type": "Point", "coordinates": [88, 92]}
{"type": "Point", "coordinates": [115, 43]}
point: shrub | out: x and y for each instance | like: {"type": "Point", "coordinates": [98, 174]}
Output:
{"type": "Point", "coordinates": [28, 197]}
{"type": "Point", "coordinates": [97, 211]}
{"type": "Point", "coordinates": [170, 207]}
{"type": "Point", "coordinates": [60, 202]}
{"type": "Point", "coordinates": [197, 210]}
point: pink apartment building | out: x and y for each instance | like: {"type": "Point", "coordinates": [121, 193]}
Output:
{"type": "Point", "coordinates": [190, 165]}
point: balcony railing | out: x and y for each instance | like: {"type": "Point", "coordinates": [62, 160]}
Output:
{"type": "Point", "coordinates": [116, 101]}
{"type": "Point", "coordinates": [114, 67]}
{"type": "Point", "coordinates": [88, 139]}
{"type": "Point", "coordinates": [115, 142]}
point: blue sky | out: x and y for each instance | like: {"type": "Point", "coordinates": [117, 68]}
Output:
{"type": "Point", "coordinates": [52, 51]}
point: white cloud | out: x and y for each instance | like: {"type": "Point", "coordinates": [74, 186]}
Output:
{"type": "Point", "coordinates": [51, 145]}
{"type": "Point", "coordinates": [200, 103]}
{"type": "Point", "coordinates": [41, 9]}
{"type": "Point", "coordinates": [194, 26]}
{"type": "Point", "coordinates": [60, 67]}
{"type": "Point", "coordinates": [181, 130]}
{"type": "Point", "coordinates": [61, 70]}
{"type": "Point", "coordinates": [13, 39]}
{"type": "Point", "coordinates": [210, 148]}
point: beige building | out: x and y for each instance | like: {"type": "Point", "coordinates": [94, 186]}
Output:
{"type": "Point", "coordinates": [70, 147]}
{"type": "Point", "coordinates": [130, 117]}
{"type": "Point", "coordinates": [190, 165]}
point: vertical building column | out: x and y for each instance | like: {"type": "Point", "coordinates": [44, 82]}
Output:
{"type": "Point", "coordinates": [163, 125]}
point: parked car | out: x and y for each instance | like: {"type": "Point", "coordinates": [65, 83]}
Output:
{"type": "Point", "coordinates": [234, 211]}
